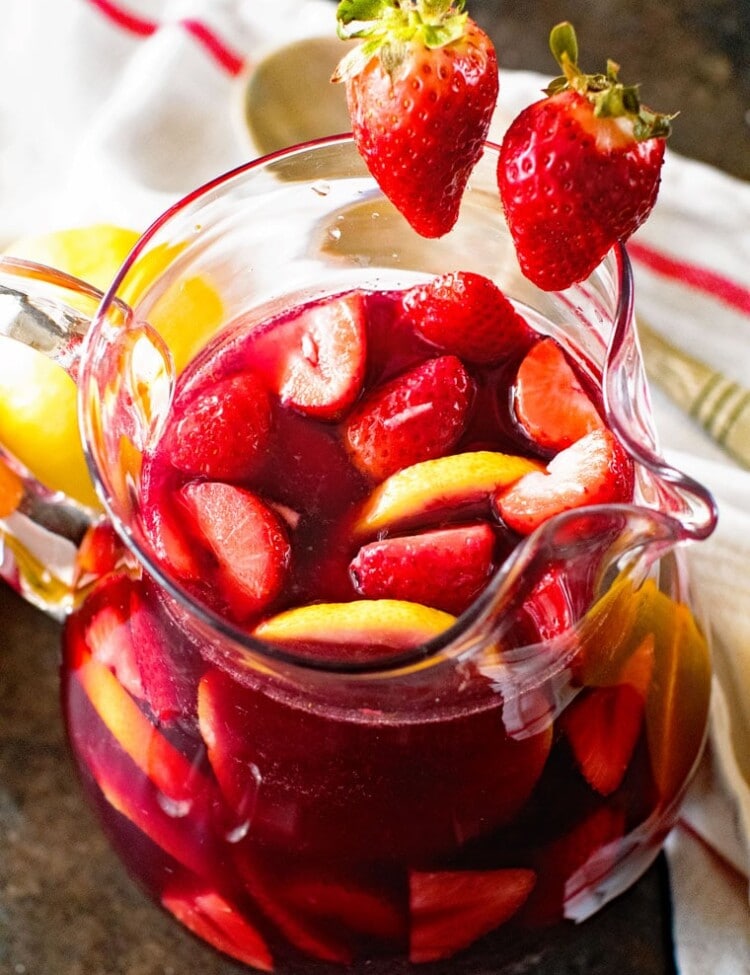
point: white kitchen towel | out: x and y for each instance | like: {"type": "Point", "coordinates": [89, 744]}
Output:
{"type": "Point", "coordinates": [112, 109]}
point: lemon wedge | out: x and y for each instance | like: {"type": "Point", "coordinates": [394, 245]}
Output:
{"type": "Point", "coordinates": [386, 623]}
{"type": "Point", "coordinates": [437, 484]}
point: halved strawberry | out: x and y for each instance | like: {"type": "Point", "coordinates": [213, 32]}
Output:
{"type": "Point", "coordinates": [100, 552]}
{"type": "Point", "coordinates": [418, 415]}
{"type": "Point", "coordinates": [468, 315]}
{"type": "Point", "coordinates": [316, 360]}
{"type": "Point", "coordinates": [445, 568]}
{"type": "Point", "coordinates": [347, 906]}
{"type": "Point", "coordinates": [574, 863]}
{"type": "Point", "coordinates": [248, 540]}
{"type": "Point", "coordinates": [238, 779]}
{"type": "Point", "coordinates": [451, 909]}
{"type": "Point", "coordinates": [223, 432]}
{"type": "Point", "coordinates": [549, 402]}
{"type": "Point", "coordinates": [167, 666]}
{"type": "Point", "coordinates": [100, 629]}
{"type": "Point", "coordinates": [603, 723]}
{"type": "Point", "coordinates": [209, 916]}
{"type": "Point", "coordinates": [163, 524]}
{"type": "Point", "coordinates": [595, 470]}
{"type": "Point", "coordinates": [305, 933]}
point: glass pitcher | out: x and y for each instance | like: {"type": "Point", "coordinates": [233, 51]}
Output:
{"type": "Point", "coordinates": [284, 807]}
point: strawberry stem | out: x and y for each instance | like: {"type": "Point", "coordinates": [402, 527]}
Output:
{"type": "Point", "coordinates": [609, 96]}
{"type": "Point", "coordinates": [386, 26]}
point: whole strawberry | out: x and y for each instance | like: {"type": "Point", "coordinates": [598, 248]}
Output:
{"type": "Point", "coordinates": [421, 90]}
{"type": "Point", "coordinates": [578, 170]}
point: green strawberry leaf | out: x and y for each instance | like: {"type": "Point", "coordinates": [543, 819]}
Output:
{"type": "Point", "coordinates": [349, 11]}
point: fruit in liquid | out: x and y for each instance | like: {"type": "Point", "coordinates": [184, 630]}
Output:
{"type": "Point", "coordinates": [343, 481]}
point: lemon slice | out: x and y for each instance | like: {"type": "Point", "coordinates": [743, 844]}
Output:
{"type": "Point", "coordinates": [394, 624]}
{"type": "Point", "coordinates": [437, 484]}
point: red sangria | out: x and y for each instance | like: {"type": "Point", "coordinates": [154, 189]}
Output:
{"type": "Point", "coordinates": [398, 651]}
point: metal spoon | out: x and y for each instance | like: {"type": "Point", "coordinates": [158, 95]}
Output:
{"type": "Point", "coordinates": [718, 404]}
{"type": "Point", "coordinates": [288, 98]}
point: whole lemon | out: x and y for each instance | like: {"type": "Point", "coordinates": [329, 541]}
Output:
{"type": "Point", "coordinates": [38, 408]}
{"type": "Point", "coordinates": [38, 415]}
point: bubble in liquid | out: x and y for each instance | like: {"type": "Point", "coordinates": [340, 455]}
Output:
{"type": "Point", "coordinates": [244, 813]}
{"type": "Point", "coordinates": [176, 808]}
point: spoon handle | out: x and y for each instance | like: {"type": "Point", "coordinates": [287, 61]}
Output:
{"type": "Point", "coordinates": [720, 405]}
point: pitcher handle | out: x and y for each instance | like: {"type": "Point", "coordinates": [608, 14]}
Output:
{"type": "Point", "coordinates": [41, 527]}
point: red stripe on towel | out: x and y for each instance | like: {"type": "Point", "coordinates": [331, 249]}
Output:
{"type": "Point", "coordinates": [701, 278]}
{"type": "Point", "coordinates": [124, 19]}
{"type": "Point", "coordinates": [211, 42]}
{"type": "Point", "coordinates": [227, 58]}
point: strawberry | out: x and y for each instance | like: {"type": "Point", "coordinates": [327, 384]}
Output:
{"type": "Point", "coordinates": [603, 724]}
{"type": "Point", "coordinates": [101, 551]}
{"type": "Point", "coordinates": [247, 540]}
{"type": "Point", "coordinates": [468, 315]}
{"type": "Point", "coordinates": [421, 90]}
{"type": "Point", "coordinates": [549, 402]}
{"type": "Point", "coordinates": [315, 360]}
{"type": "Point", "coordinates": [578, 170]}
{"type": "Point", "coordinates": [418, 415]}
{"type": "Point", "coordinates": [100, 628]}
{"type": "Point", "coordinates": [574, 864]}
{"type": "Point", "coordinates": [451, 909]}
{"type": "Point", "coordinates": [222, 434]}
{"type": "Point", "coordinates": [595, 470]}
{"type": "Point", "coordinates": [209, 916]}
{"type": "Point", "coordinates": [444, 568]}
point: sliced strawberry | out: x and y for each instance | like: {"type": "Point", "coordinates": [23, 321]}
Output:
{"type": "Point", "coordinates": [247, 539]}
{"type": "Point", "coordinates": [222, 433]}
{"type": "Point", "coordinates": [267, 886]}
{"type": "Point", "coordinates": [347, 906]}
{"type": "Point", "coordinates": [167, 665]}
{"type": "Point", "coordinates": [451, 909]}
{"type": "Point", "coordinates": [316, 360]}
{"type": "Point", "coordinates": [209, 916]}
{"type": "Point", "coordinates": [100, 552]}
{"type": "Point", "coordinates": [468, 315]}
{"type": "Point", "coordinates": [100, 630]}
{"type": "Point", "coordinates": [550, 404]}
{"type": "Point", "coordinates": [445, 568]}
{"type": "Point", "coordinates": [595, 470]}
{"type": "Point", "coordinates": [163, 525]}
{"type": "Point", "coordinates": [574, 863]}
{"type": "Point", "coordinates": [603, 723]}
{"type": "Point", "coordinates": [418, 415]}
{"type": "Point", "coordinates": [238, 779]}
